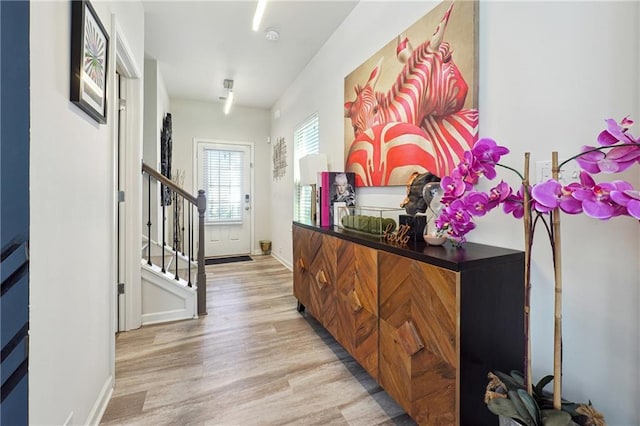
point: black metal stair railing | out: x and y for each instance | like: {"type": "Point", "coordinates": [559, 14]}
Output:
{"type": "Point", "coordinates": [194, 204]}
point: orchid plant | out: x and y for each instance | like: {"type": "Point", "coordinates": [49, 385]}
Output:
{"type": "Point", "coordinates": [617, 151]}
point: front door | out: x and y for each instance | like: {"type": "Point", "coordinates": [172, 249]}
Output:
{"type": "Point", "coordinates": [224, 172]}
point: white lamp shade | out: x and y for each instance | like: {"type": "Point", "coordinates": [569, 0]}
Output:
{"type": "Point", "coordinates": [310, 165]}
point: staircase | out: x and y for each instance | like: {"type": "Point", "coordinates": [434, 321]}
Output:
{"type": "Point", "coordinates": [167, 296]}
{"type": "Point", "coordinates": [173, 282]}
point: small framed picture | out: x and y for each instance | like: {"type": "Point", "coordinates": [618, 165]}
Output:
{"type": "Point", "coordinates": [89, 52]}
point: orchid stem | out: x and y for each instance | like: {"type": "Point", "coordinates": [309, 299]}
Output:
{"type": "Point", "coordinates": [512, 169]}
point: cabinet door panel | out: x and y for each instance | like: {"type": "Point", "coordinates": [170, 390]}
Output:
{"type": "Point", "coordinates": [418, 338]}
{"type": "Point", "coordinates": [322, 287]}
{"type": "Point", "coordinates": [301, 264]}
{"type": "Point", "coordinates": [357, 303]}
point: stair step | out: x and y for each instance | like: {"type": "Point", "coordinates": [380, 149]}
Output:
{"type": "Point", "coordinates": [170, 276]}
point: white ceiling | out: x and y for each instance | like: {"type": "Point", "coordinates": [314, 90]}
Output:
{"type": "Point", "coordinates": [200, 43]}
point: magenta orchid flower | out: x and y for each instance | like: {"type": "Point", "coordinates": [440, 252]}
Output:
{"type": "Point", "coordinates": [498, 194]}
{"type": "Point", "coordinates": [616, 160]}
{"type": "Point", "coordinates": [456, 220]}
{"type": "Point", "coordinates": [598, 200]}
{"type": "Point", "coordinates": [514, 204]}
{"type": "Point", "coordinates": [551, 194]}
{"type": "Point", "coordinates": [546, 195]}
{"type": "Point", "coordinates": [616, 132]}
{"type": "Point", "coordinates": [477, 203]}
{"type": "Point", "coordinates": [453, 188]}
{"type": "Point", "coordinates": [469, 169]}
{"type": "Point", "coordinates": [488, 153]}
{"type": "Point", "coordinates": [629, 199]}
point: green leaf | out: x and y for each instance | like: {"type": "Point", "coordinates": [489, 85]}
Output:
{"type": "Point", "coordinates": [518, 377]}
{"type": "Point", "coordinates": [504, 407]}
{"type": "Point", "coordinates": [570, 407]}
{"type": "Point", "coordinates": [530, 404]}
{"type": "Point", "coordinates": [555, 418]}
{"type": "Point", "coordinates": [509, 382]}
{"type": "Point", "coordinates": [521, 408]}
{"type": "Point", "coordinates": [542, 383]}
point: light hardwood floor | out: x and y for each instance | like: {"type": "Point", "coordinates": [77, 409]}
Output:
{"type": "Point", "coordinates": [254, 360]}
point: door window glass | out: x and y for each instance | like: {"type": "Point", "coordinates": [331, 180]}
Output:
{"type": "Point", "coordinates": [223, 185]}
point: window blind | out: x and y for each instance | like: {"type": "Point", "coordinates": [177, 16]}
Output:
{"type": "Point", "coordinates": [306, 140]}
{"type": "Point", "coordinates": [223, 185]}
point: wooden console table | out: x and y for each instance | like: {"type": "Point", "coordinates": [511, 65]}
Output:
{"type": "Point", "coordinates": [428, 323]}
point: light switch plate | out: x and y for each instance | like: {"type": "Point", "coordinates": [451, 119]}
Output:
{"type": "Point", "coordinates": [570, 172]}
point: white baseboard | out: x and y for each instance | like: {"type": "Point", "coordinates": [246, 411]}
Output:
{"type": "Point", "coordinates": [97, 411]}
{"type": "Point", "coordinates": [286, 264]}
{"type": "Point", "coordinates": [167, 316]}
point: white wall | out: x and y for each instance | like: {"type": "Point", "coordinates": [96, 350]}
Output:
{"type": "Point", "coordinates": [194, 119]}
{"type": "Point", "coordinates": [72, 226]}
{"type": "Point", "coordinates": [156, 106]}
{"type": "Point", "coordinates": [550, 73]}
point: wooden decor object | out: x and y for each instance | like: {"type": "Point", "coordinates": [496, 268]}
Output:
{"type": "Point", "coordinates": [354, 301]}
{"type": "Point", "coordinates": [357, 272]}
{"type": "Point", "coordinates": [417, 299]}
{"type": "Point", "coordinates": [428, 323]}
{"type": "Point", "coordinates": [407, 336]}
{"type": "Point", "coordinates": [321, 279]}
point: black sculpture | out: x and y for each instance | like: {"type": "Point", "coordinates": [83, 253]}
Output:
{"type": "Point", "coordinates": [165, 158]}
{"type": "Point", "coordinates": [414, 201]}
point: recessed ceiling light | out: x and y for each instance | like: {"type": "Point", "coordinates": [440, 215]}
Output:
{"type": "Point", "coordinates": [257, 17]}
{"type": "Point", "coordinates": [272, 34]}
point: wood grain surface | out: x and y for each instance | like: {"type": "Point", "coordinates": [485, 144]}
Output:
{"type": "Point", "coordinates": [357, 304]}
{"type": "Point", "coordinates": [254, 360]}
{"type": "Point", "coordinates": [418, 334]}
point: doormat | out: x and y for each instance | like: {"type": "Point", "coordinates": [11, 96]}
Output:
{"type": "Point", "coordinates": [219, 260]}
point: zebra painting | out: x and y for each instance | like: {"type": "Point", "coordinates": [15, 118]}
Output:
{"type": "Point", "coordinates": [422, 123]}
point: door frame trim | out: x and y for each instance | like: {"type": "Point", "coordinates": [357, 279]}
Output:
{"type": "Point", "coordinates": [129, 69]}
{"type": "Point", "coordinates": [196, 141]}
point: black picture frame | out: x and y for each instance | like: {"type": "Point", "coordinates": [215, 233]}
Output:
{"type": "Point", "coordinates": [89, 61]}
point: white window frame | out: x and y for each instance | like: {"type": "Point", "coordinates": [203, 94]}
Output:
{"type": "Point", "coordinates": [211, 200]}
{"type": "Point", "coordinates": [306, 140]}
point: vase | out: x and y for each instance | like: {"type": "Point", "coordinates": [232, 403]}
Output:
{"type": "Point", "coordinates": [265, 246]}
{"type": "Point", "coordinates": [432, 193]}
{"type": "Point", "coordinates": [431, 235]}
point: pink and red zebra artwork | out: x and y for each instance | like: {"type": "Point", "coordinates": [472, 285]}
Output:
{"type": "Point", "coordinates": [414, 109]}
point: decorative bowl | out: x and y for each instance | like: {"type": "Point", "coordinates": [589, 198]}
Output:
{"type": "Point", "coordinates": [434, 240]}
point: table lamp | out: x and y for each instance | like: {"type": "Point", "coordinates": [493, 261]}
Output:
{"type": "Point", "coordinates": [310, 166]}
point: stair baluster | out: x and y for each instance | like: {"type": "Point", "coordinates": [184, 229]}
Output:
{"type": "Point", "coordinates": [149, 226]}
{"type": "Point", "coordinates": [164, 219]}
{"type": "Point", "coordinates": [190, 256]}
{"type": "Point", "coordinates": [175, 234]}
{"type": "Point", "coordinates": [182, 230]}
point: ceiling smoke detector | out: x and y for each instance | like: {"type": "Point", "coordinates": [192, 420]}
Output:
{"type": "Point", "coordinates": [272, 34]}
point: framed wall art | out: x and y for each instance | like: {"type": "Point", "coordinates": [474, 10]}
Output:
{"type": "Point", "coordinates": [89, 51]}
{"type": "Point", "coordinates": [279, 159]}
{"type": "Point", "coordinates": [412, 106]}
